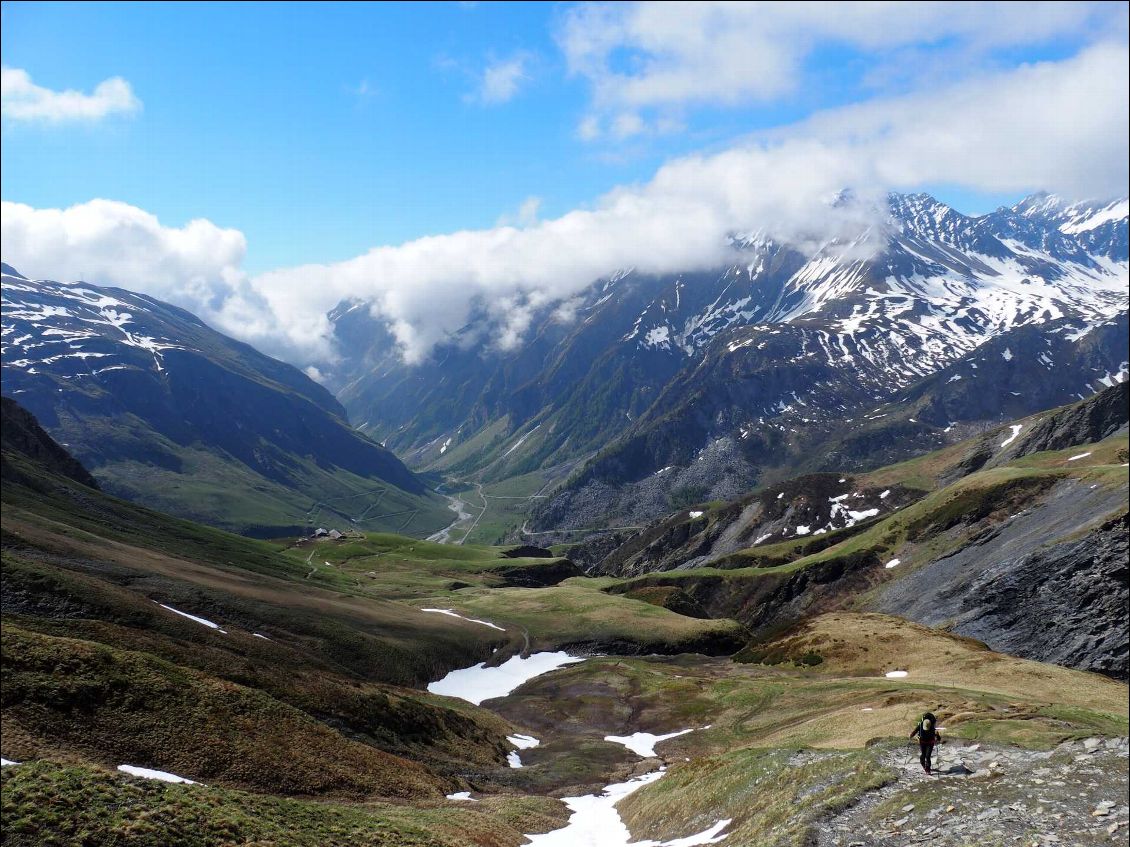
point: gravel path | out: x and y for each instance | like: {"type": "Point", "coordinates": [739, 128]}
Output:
{"type": "Point", "coordinates": [989, 795]}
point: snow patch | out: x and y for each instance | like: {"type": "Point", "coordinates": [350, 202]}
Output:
{"type": "Point", "coordinates": [694, 515]}
{"type": "Point", "coordinates": [461, 617]}
{"type": "Point", "coordinates": [149, 773]}
{"type": "Point", "coordinates": [203, 621]}
{"type": "Point", "coordinates": [514, 760]}
{"type": "Point", "coordinates": [1015, 432]}
{"type": "Point", "coordinates": [479, 683]}
{"type": "Point", "coordinates": [893, 563]}
{"type": "Point", "coordinates": [462, 795]}
{"type": "Point", "coordinates": [643, 743]}
{"type": "Point", "coordinates": [895, 674]}
{"type": "Point", "coordinates": [523, 742]}
{"type": "Point", "coordinates": [596, 823]}
{"type": "Point", "coordinates": [1080, 456]}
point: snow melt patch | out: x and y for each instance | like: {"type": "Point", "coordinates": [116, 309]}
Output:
{"type": "Point", "coordinates": [523, 742]}
{"type": "Point", "coordinates": [893, 563]}
{"type": "Point", "coordinates": [643, 743]}
{"type": "Point", "coordinates": [149, 773]}
{"type": "Point", "coordinates": [204, 621]}
{"type": "Point", "coordinates": [7, 762]}
{"type": "Point", "coordinates": [895, 674]}
{"type": "Point", "coordinates": [462, 795]}
{"type": "Point", "coordinates": [803, 530]}
{"type": "Point", "coordinates": [514, 760]}
{"type": "Point", "coordinates": [596, 823]}
{"type": "Point", "coordinates": [696, 515]}
{"type": "Point", "coordinates": [1080, 456]}
{"type": "Point", "coordinates": [454, 614]}
{"type": "Point", "coordinates": [479, 683]}
{"type": "Point", "coordinates": [1015, 432]}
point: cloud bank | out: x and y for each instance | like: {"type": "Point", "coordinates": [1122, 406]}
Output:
{"type": "Point", "coordinates": [644, 62]}
{"type": "Point", "coordinates": [1060, 126]}
{"type": "Point", "coordinates": [23, 100]}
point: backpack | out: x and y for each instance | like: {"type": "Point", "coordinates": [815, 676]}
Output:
{"type": "Point", "coordinates": [927, 728]}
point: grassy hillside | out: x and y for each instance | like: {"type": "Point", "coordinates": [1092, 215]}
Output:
{"type": "Point", "coordinates": [302, 710]}
{"type": "Point", "coordinates": [309, 683]}
{"type": "Point", "coordinates": [47, 804]}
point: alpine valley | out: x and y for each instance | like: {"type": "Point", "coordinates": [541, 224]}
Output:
{"type": "Point", "coordinates": [681, 568]}
{"type": "Point", "coordinates": [666, 391]}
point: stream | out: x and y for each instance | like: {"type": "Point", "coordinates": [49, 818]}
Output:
{"type": "Point", "coordinates": [444, 535]}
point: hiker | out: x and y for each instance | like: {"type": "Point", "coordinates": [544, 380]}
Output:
{"type": "Point", "coordinates": [928, 736]}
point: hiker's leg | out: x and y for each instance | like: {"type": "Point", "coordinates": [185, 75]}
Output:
{"type": "Point", "coordinates": [928, 751]}
{"type": "Point", "coordinates": [922, 757]}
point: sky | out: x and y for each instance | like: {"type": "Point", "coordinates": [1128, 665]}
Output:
{"type": "Point", "coordinates": [259, 162]}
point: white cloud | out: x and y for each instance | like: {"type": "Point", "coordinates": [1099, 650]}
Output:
{"type": "Point", "coordinates": [197, 266]}
{"type": "Point", "coordinates": [1060, 126]}
{"type": "Point", "coordinates": [627, 124]}
{"type": "Point", "coordinates": [589, 128]}
{"type": "Point", "coordinates": [661, 56]}
{"type": "Point", "coordinates": [527, 214]}
{"type": "Point", "coordinates": [23, 100]}
{"type": "Point", "coordinates": [362, 90]}
{"type": "Point", "coordinates": [501, 80]}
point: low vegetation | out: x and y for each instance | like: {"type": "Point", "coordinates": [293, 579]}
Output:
{"type": "Point", "coordinates": [51, 804]}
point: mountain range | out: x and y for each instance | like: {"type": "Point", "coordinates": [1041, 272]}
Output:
{"type": "Point", "coordinates": [780, 509]}
{"type": "Point", "coordinates": [699, 386]}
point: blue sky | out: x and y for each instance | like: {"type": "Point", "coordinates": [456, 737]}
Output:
{"type": "Point", "coordinates": [258, 162]}
{"type": "Point", "coordinates": [321, 130]}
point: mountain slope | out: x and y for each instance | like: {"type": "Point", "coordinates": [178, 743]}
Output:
{"type": "Point", "coordinates": [23, 434]}
{"type": "Point", "coordinates": [722, 379]}
{"type": "Point", "coordinates": [292, 695]}
{"type": "Point", "coordinates": [166, 411]}
{"type": "Point", "coordinates": [990, 537]}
